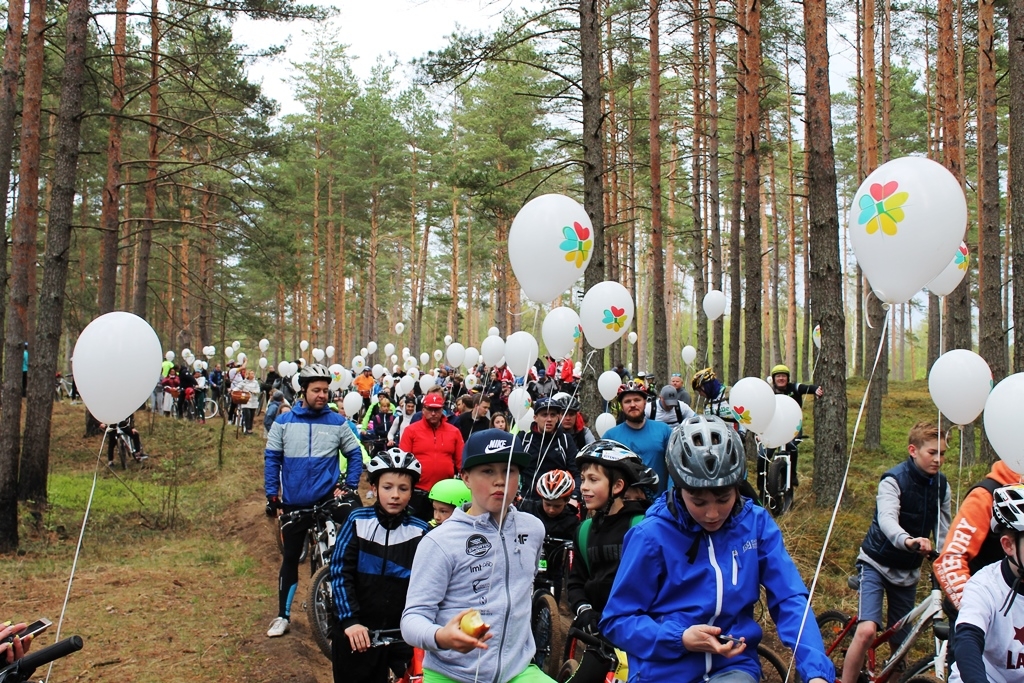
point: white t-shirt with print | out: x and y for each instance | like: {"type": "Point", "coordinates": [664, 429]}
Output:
{"type": "Point", "coordinates": [982, 606]}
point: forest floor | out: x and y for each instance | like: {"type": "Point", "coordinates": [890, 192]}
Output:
{"type": "Point", "coordinates": [178, 570]}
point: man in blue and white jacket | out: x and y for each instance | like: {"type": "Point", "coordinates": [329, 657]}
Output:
{"type": "Point", "coordinates": [301, 469]}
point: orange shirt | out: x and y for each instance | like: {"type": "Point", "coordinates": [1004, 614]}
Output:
{"type": "Point", "coordinates": [364, 384]}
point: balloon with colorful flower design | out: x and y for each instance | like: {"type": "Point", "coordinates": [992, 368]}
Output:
{"type": "Point", "coordinates": [606, 313]}
{"type": "Point", "coordinates": [953, 274]}
{"type": "Point", "coordinates": [549, 245]}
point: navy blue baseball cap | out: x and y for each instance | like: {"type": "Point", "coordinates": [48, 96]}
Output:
{"type": "Point", "coordinates": [493, 445]}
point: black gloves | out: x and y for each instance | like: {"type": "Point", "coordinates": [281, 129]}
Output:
{"type": "Point", "coordinates": [273, 505]}
{"type": "Point", "coordinates": [586, 619]}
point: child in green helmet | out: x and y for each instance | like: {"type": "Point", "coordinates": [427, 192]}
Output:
{"type": "Point", "coordinates": [445, 496]}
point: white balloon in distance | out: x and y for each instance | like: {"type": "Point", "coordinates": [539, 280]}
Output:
{"type": "Point", "coordinates": [1002, 410]}
{"type": "Point", "coordinates": [689, 354]}
{"type": "Point", "coordinates": [493, 332]}
{"type": "Point", "coordinates": [186, 352]}
{"type": "Point", "coordinates": [492, 349]}
{"type": "Point", "coordinates": [603, 423]}
{"type": "Point", "coordinates": [353, 403]}
{"type": "Point", "coordinates": [519, 402]}
{"type": "Point", "coordinates": [560, 331]}
{"type": "Point", "coordinates": [714, 304]}
{"type": "Point", "coordinates": [263, 363]}
{"type": "Point", "coordinates": [282, 368]}
{"type": "Point", "coordinates": [406, 384]}
{"type": "Point", "coordinates": [399, 328]}
{"type": "Point", "coordinates": [358, 363]}
{"type": "Point", "coordinates": [959, 383]}
{"type": "Point", "coordinates": [410, 363]}
{"type": "Point", "coordinates": [447, 339]}
{"type": "Point", "coordinates": [389, 349]}
{"type": "Point", "coordinates": [235, 345]}
{"type": "Point", "coordinates": [387, 381]}
{"type": "Point", "coordinates": [549, 245]}
{"type": "Point", "coordinates": [427, 383]}
{"type": "Point", "coordinates": [295, 384]}
{"type": "Point", "coordinates": [124, 341]}
{"type": "Point", "coordinates": [293, 368]}
{"type": "Point", "coordinates": [346, 378]}
{"type": "Point", "coordinates": [753, 404]}
{"type": "Point", "coordinates": [378, 371]}
{"type": "Point", "coordinates": [168, 356]}
{"type": "Point", "coordinates": [371, 347]}
{"type": "Point", "coordinates": [197, 365]}
{"type": "Point", "coordinates": [521, 351]}
{"type": "Point", "coordinates": [608, 384]}
{"type": "Point", "coordinates": [264, 345]}
{"type": "Point", "coordinates": [206, 366]}
{"type": "Point", "coordinates": [424, 358]}
{"type": "Point", "coordinates": [414, 372]}
{"type": "Point", "coordinates": [329, 351]}
{"type": "Point", "coordinates": [394, 358]}
{"type": "Point", "coordinates": [785, 424]}
{"type": "Point", "coordinates": [335, 370]}
{"type": "Point", "coordinates": [526, 422]}
{"type": "Point", "coordinates": [472, 357]}
{"type": "Point", "coordinates": [606, 313]}
{"type": "Point", "coordinates": [303, 345]}
{"type": "Point", "coordinates": [364, 352]}
{"type": "Point", "coordinates": [318, 355]}
{"type": "Point", "coordinates": [632, 337]}
{"type": "Point", "coordinates": [229, 352]}
{"type": "Point", "coordinates": [455, 354]}
{"type": "Point", "coordinates": [910, 205]}
{"type": "Point", "coordinates": [953, 274]}
{"type": "Point", "coordinates": [816, 336]}
{"type": "Point", "coordinates": [471, 381]}
{"type": "Point", "coordinates": [405, 352]}
{"type": "Point", "coordinates": [438, 355]}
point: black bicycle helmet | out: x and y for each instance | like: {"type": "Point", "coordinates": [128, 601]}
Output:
{"type": "Point", "coordinates": [704, 452]}
{"type": "Point", "coordinates": [1008, 507]}
{"type": "Point", "coordinates": [314, 372]}
{"type": "Point", "coordinates": [613, 455]}
{"type": "Point", "coordinates": [394, 460]}
{"type": "Point", "coordinates": [567, 402]}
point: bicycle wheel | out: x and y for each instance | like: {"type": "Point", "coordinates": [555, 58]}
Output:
{"type": "Point", "coordinates": [921, 671]}
{"type": "Point", "coordinates": [779, 498]}
{"type": "Point", "coordinates": [209, 409]}
{"type": "Point", "coordinates": [836, 636]}
{"type": "Point", "coordinates": [567, 670]}
{"type": "Point", "coordinates": [123, 451]}
{"type": "Point", "coordinates": [548, 632]}
{"type": "Point", "coordinates": [773, 669]}
{"type": "Point", "coordinates": [318, 609]}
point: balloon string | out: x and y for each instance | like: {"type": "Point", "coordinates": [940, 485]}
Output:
{"type": "Point", "coordinates": [842, 490]}
{"type": "Point", "coordinates": [960, 471]}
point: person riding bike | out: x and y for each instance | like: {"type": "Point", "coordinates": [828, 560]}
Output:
{"type": "Point", "coordinates": [560, 517]}
{"type": "Point", "coordinates": [445, 496]}
{"type": "Point", "coordinates": [715, 394]}
{"type": "Point", "coordinates": [302, 470]}
{"type": "Point", "coordinates": [796, 391]}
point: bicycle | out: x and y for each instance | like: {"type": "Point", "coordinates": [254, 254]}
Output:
{"type": "Point", "coordinates": [64, 386]}
{"type": "Point", "coordinates": [210, 408]}
{"type": "Point", "coordinates": [238, 400]}
{"type": "Point", "coordinates": [549, 631]}
{"type": "Point", "coordinates": [23, 669]}
{"type": "Point", "coordinates": [123, 444]}
{"type": "Point", "coordinates": [327, 519]}
{"type": "Point", "coordinates": [388, 636]}
{"type": "Point", "coordinates": [776, 483]}
{"type": "Point", "coordinates": [837, 631]}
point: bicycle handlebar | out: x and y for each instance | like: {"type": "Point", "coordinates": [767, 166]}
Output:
{"type": "Point", "coordinates": [24, 668]}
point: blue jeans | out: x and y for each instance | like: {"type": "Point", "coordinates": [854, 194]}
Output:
{"type": "Point", "coordinates": [733, 676]}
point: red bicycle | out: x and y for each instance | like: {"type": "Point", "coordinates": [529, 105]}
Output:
{"type": "Point", "coordinates": [388, 636]}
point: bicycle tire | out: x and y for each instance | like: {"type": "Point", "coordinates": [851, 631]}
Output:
{"type": "Point", "coordinates": [548, 632]}
{"type": "Point", "coordinates": [921, 678]}
{"type": "Point", "coordinates": [918, 671]}
{"type": "Point", "coordinates": [566, 671]}
{"type": "Point", "coordinates": [209, 409]}
{"type": "Point", "coordinates": [773, 669]}
{"type": "Point", "coordinates": [831, 625]}
{"type": "Point", "coordinates": [779, 498]}
{"type": "Point", "coordinates": [318, 609]}
{"type": "Point", "coordinates": [123, 451]}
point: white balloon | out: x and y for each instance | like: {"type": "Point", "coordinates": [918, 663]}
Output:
{"type": "Point", "coordinates": [371, 347]}
{"type": "Point", "coordinates": [346, 378]}
{"type": "Point", "coordinates": [447, 339]}
{"type": "Point", "coordinates": [293, 368]}
{"type": "Point", "coordinates": [329, 351]}
{"type": "Point", "coordinates": [229, 352]}
{"type": "Point", "coordinates": [714, 304]}
{"type": "Point", "coordinates": [235, 345]}
{"type": "Point", "coordinates": [560, 331]}
{"type": "Point", "coordinates": [608, 384]}
{"type": "Point", "coordinates": [264, 345]}
{"type": "Point", "coordinates": [318, 355]}
{"type": "Point", "coordinates": [378, 371]}
{"type": "Point", "coordinates": [399, 328]}
{"type": "Point", "coordinates": [493, 332]}
{"type": "Point", "coordinates": [358, 363]}
{"type": "Point", "coordinates": [549, 245]}
{"type": "Point", "coordinates": [263, 363]}
{"type": "Point", "coordinates": [952, 275]}
{"type": "Point", "coordinates": [282, 368]}
{"type": "Point", "coordinates": [603, 423]}
{"type": "Point", "coordinates": [335, 370]}
{"type": "Point", "coordinates": [295, 384]}
{"type": "Point", "coordinates": [123, 341]}
{"type": "Point", "coordinates": [409, 363]}
{"type": "Point", "coordinates": [519, 402]}
{"type": "Point", "coordinates": [632, 337]}
{"type": "Point", "coordinates": [1002, 410]}
{"type": "Point", "coordinates": [206, 366]}
{"type": "Point", "coordinates": [606, 313]}
{"type": "Point", "coordinates": [427, 383]}
{"type": "Point", "coordinates": [959, 383]}
{"type": "Point", "coordinates": [492, 349]}
{"type": "Point", "coordinates": [169, 355]}
{"type": "Point", "coordinates": [471, 381]}
{"type": "Point", "coordinates": [521, 351]}
{"type": "Point", "coordinates": [394, 359]}
{"type": "Point", "coordinates": [438, 355]}
{"type": "Point", "coordinates": [425, 358]}
{"type": "Point", "coordinates": [241, 357]}
{"type": "Point", "coordinates": [753, 404]}
{"type": "Point", "coordinates": [353, 403]}
{"type": "Point", "coordinates": [186, 352]}
{"type": "Point", "coordinates": [906, 219]}
{"type": "Point", "coordinates": [816, 336]}
{"type": "Point", "coordinates": [364, 352]}
{"type": "Point", "coordinates": [471, 358]}
{"type": "Point", "coordinates": [455, 354]}
{"type": "Point", "coordinates": [405, 352]}
{"type": "Point", "coordinates": [689, 354]}
{"type": "Point", "coordinates": [388, 381]}
{"type": "Point", "coordinates": [303, 345]}
{"type": "Point", "coordinates": [526, 422]}
{"type": "Point", "coordinates": [405, 385]}
{"type": "Point", "coordinates": [198, 365]}
{"type": "Point", "coordinates": [414, 372]}
{"type": "Point", "coordinates": [785, 424]}
{"type": "Point", "coordinates": [389, 349]}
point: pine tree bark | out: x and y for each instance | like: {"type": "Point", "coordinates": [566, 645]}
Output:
{"type": "Point", "coordinates": [657, 247]}
{"type": "Point", "coordinates": [718, 326]}
{"type": "Point", "coordinates": [737, 313]}
{"type": "Point", "coordinates": [751, 196]}
{"type": "Point", "coordinates": [1015, 68]}
{"type": "Point", "coordinates": [141, 290]}
{"type": "Point", "coordinates": [46, 345]}
{"type": "Point", "coordinates": [825, 271]}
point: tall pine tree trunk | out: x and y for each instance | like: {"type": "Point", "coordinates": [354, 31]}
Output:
{"type": "Point", "coordinates": [657, 248]}
{"type": "Point", "coordinates": [145, 246]}
{"type": "Point", "coordinates": [751, 196]}
{"type": "Point", "coordinates": [110, 212]}
{"type": "Point", "coordinates": [1016, 71]}
{"type": "Point", "coordinates": [736, 313]}
{"type": "Point", "coordinates": [718, 326]}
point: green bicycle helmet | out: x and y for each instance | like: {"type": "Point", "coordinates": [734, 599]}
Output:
{"type": "Point", "coordinates": [450, 491]}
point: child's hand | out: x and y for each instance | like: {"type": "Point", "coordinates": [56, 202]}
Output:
{"type": "Point", "coordinates": [452, 637]}
{"type": "Point", "coordinates": [358, 637]}
{"type": "Point", "coordinates": [919, 545]}
{"type": "Point", "coordinates": [704, 638]}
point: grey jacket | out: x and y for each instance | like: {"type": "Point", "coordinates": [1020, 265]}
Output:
{"type": "Point", "coordinates": [467, 562]}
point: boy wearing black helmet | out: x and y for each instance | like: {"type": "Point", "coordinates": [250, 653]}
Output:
{"type": "Point", "coordinates": [693, 569]}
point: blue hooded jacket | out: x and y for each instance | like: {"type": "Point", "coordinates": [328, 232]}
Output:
{"type": "Point", "coordinates": [673, 575]}
{"type": "Point", "coordinates": [301, 460]}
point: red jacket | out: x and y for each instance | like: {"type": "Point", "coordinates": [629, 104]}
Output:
{"type": "Point", "coordinates": [439, 451]}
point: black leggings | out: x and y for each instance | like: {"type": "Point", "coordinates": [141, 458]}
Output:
{"type": "Point", "coordinates": [293, 539]}
{"type": "Point", "coordinates": [371, 666]}
{"type": "Point", "coordinates": [247, 416]}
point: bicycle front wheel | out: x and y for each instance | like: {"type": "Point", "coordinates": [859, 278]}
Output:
{"type": "Point", "coordinates": [548, 632]}
{"type": "Point", "coordinates": [209, 409]}
{"type": "Point", "coordinates": [318, 610]}
{"type": "Point", "coordinates": [123, 451]}
{"type": "Point", "coordinates": [921, 671]}
{"type": "Point", "coordinates": [836, 636]}
{"type": "Point", "coordinates": [780, 496]}
{"type": "Point", "coordinates": [773, 669]}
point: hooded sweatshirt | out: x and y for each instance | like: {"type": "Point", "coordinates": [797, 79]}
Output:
{"type": "Point", "coordinates": [673, 575]}
{"type": "Point", "coordinates": [468, 562]}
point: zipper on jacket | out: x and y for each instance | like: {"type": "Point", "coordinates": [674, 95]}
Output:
{"type": "Point", "coordinates": [735, 566]}
{"type": "Point", "coordinates": [718, 598]}
{"type": "Point", "coordinates": [508, 607]}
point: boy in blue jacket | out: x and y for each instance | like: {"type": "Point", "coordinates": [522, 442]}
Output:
{"type": "Point", "coordinates": [692, 571]}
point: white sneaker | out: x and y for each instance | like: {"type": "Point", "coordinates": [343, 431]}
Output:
{"type": "Point", "coordinates": [278, 627]}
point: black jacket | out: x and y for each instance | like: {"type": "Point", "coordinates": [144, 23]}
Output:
{"type": "Point", "coordinates": [548, 452]}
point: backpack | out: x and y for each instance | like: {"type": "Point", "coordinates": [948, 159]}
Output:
{"type": "Point", "coordinates": [990, 550]}
{"type": "Point", "coordinates": [583, 536]}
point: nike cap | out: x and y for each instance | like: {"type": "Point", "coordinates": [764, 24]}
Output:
{"type": "Point", "coordinates": [493, 445]}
